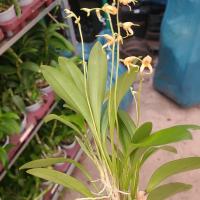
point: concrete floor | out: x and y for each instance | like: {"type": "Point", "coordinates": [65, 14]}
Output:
{"type": "Point", "coordinates": [163, 113]}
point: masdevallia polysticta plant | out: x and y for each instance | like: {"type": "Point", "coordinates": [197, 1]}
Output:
{"type": "Point", "coordinates": [120, 144]}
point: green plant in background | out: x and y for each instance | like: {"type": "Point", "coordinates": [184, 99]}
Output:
{"type": "Point", "coordinates": [48, 42]}
{"type": "Point", "coordinates": [120, 145]}
{"type": "Point", "coordinates": [54, 134]}
{"type": "Point", "coordinates": [9, 125]}
{"type": "Point", "coordinates": [16, 179]}
{"type": "Point", "coordinates": [20, 77]}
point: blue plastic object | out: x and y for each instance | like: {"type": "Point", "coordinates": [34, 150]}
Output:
{"type": "Point", "coordinates": [178, 72]}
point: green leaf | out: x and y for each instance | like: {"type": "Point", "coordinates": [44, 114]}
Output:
{"type": "Point", "coordinates": [64, 119]}
{"type": "Point", "coordinates": [18, 101]}
{"type": "Point", "coordinates": [3, 156]}
{"type": "Point", "coordinates": [61, 179]}
{"type": "Point", "coordinates": [73, 73]}
{"type": "Point", "coordinates": [96, 81]}
{"type": "Point", "coordinates": [142, 132]}
{"type": "Point", "coordinates": [124, 82]}
{"type": "Point", "coordinates": [127, 121]}
{"type": "Point", "coordinates": [164, 191]}
{"type": "Point", "coordinates": [150, 151]}
{"type": "Point", "coordinates": [7, 70]}
{"type": "Point", "coordinates": [172, 168]}
{"type": "Point", "coordinates": [67, 90]}
{"type": "Point", "coordinates": [30, 66]}
{"type": "Point", "coordinates": [68, 45]}
{"type": "Point", "coordinates": [41, 163]}
{"type": "Point", "coordinates": [167, 136]}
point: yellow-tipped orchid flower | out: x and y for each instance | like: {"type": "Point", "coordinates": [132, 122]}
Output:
{"type": "Point", "coordinates": [109, 9]}
{"type": "Point", "coordinates": [146, 63]}
{"type": "Point", "coordinates": [110, 40]}
{"type": "Point", "coordinates": [127, 26]}
{"type": "Point", "coordinates": [130, 62]}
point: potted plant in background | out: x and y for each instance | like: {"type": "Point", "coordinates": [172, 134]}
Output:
{"type": "Point", "coordinates": [121, 145]}
{"type": "Point", "coordinates": [8, 10]}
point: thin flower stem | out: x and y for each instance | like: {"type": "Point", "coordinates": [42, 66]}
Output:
{"type": "Point", "coordinates": [99, 148]}
{"type": "Point", "coordinates": [138, 99]}
{"type": "Point", "coordinates": [110, 99]}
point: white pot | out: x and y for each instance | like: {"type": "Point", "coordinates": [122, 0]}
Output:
{"type": "Point", "coordinates": [46, 90]}
{"type": "Point", "coordinates": [23, 3]}
{"type": "Point", "coordinates": [71, 146]}
{"type": "Point", "coordinates": [7, 15]}
{"type": "Point", "coordinates": [59, 153]}
{"type": "Point", "coordinates": [6, 142]}
{"type": "Point", "coordinates": [34, 107]}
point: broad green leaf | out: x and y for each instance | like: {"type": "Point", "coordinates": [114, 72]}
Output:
{"type": "Point", "coordinates": [150, 151]}
{"type": "Point", "coordinates": [124, 82]}
{"type": "Point", "coordinates": [73, 73]}
{"type": "Point", "coordinates": [96, 80]}
{"type": "Point", "coordinates": [67, 90]}
{"type": "Point", "coordinates": [172, 168]}
{"type": "Point", "coordinates": [64, 119]}
{"type": "Point", "coordinates": [61, 179]}
{"type": "Point", "coordinates": [142, 132]}
{"type": "Point", "coordinates": [41, 163]}
{"type": "Point", "coordinates": [164, 191]}
{"type": "Point", "coordinates": [124, 136]}
{"type": "Point", "coordinates": [166, 136]}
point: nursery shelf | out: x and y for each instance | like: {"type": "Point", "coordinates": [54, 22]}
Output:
{"type": "Point", "coordinates": [31, 132]}
{"type": "Point", "coordinates": [9, 42]}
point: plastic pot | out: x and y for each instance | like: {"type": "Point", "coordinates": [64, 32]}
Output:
{"type": "Point", "coordinates": [35, 107]}
{"type": "Point", "coordinates": [59, 153]}
{"type": "Point", "coordinates": [5, 142]}
{"type": "Point", "coordinates": [23, 123]}
{"type": "Point", "coordinates": [69, 146]}
{"type": "Point", "coordinates": [7, 15]}
{"type": "Point", "coordinates": [46, 90]}
{"type": "Point", "coordinates": [24, 3]}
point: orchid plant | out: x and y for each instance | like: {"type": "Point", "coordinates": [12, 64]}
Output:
{"type": "Point", "coordinates": [117, 145]}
